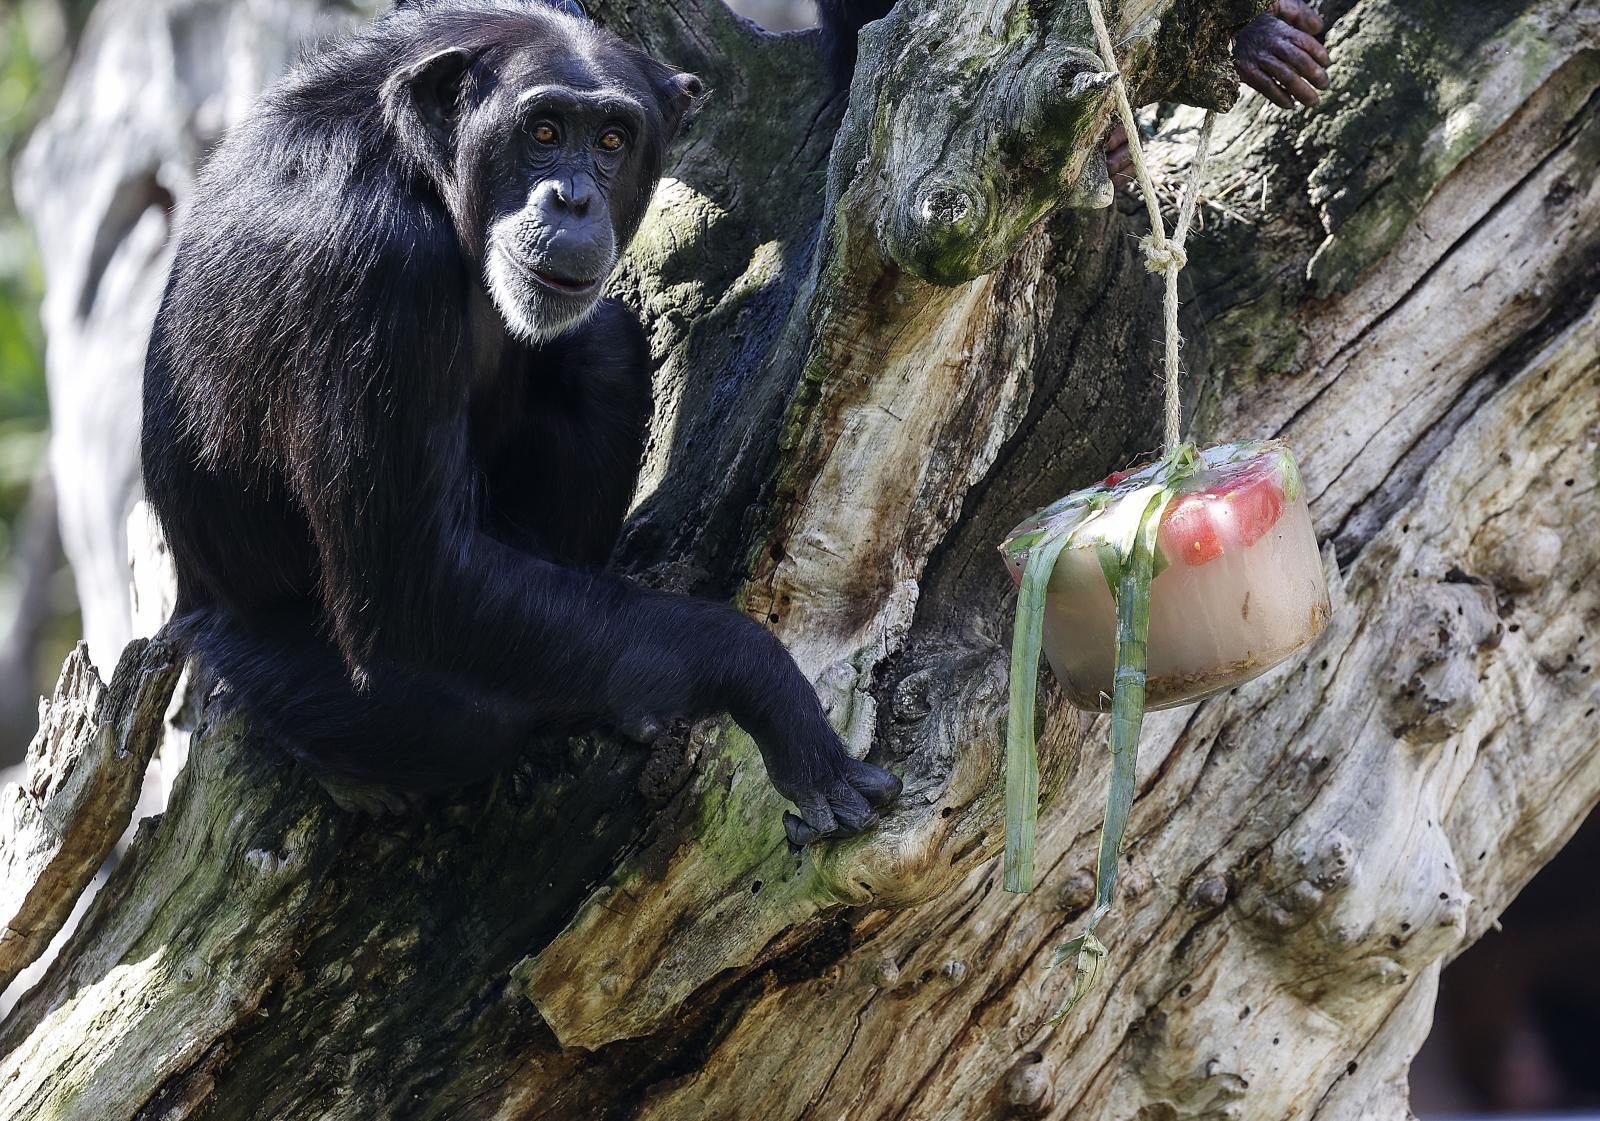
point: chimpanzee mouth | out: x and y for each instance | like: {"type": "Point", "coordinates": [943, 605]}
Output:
{"type": "Point", "coordinates": [564, 285]}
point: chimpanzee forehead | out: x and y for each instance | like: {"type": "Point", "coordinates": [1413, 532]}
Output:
{"type": "Point", "coordinates": [581, 60]}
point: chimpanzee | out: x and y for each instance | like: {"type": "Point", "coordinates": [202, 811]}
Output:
{"type": "Point", "coordinates": [391, 429]}
{"type": "Point", "coordinates": [1277, 54]}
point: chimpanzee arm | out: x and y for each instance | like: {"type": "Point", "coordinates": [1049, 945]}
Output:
{"type": "Point", "coordinates": [578, 647]}
{"type": "Point", "coordinates": [411, 577]}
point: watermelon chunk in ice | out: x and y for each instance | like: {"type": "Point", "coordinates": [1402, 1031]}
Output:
{"type": "Point", "coordinates": [1229, 511]}
{"type": "Point", "coordinates": [1241, 586]}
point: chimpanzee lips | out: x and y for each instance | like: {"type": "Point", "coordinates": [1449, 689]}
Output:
{"type": "Point", "coordinates": [565, 285]}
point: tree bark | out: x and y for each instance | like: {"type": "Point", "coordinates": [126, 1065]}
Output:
{"type": "Point", "coordinates": [877, 353]}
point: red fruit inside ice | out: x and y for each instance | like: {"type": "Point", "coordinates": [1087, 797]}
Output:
{"type": "Point", "coordinates": [1189, 531]}
{"type": "Point", "coordinates": [1199, 527]}
{"type": "Point", "coordinates": [1257, 504]}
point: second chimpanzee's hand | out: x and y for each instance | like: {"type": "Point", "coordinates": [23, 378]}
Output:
{"type": "Point", "coordinates": [1279, 55]}
{"type": "Point", "coordinates": [1119, 160]}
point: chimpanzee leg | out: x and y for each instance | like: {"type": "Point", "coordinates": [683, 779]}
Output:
{"type": "Point", "coordinates": [396, 729]}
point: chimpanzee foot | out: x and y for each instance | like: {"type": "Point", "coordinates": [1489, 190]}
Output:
{"type": "Point", "coordinates": [842, 804]}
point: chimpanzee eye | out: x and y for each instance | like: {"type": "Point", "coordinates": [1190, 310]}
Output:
{"type": "Point", "coordinates": [545, 133]}
{"type": "Point", "coordinates": [612, 140]}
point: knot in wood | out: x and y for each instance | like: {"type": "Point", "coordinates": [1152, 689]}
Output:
{"type": "Point", "coordinates": [1030, 1087]}
{"type": "Point", "coordinates": [1208, 894]}
{"type": "Point", "coordinates": [885, 974]}
{"type": "Point", "coordinates": [1076, 892]}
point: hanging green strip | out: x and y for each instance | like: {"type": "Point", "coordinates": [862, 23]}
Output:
{"type": "Point", "coordinates": [1022, 757]}
{"type": "Point", "coordinates": [1119, 521]}
{"type": "Point", "coordinates": [1132, 593]}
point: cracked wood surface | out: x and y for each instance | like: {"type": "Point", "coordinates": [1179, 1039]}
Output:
{"type": "Point", "coordinates": [81, 780]}
{"type": "Point", "coordinates": [1412, 301]}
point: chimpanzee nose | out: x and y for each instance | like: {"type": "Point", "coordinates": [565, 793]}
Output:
{"type": "Point", "coordinates": [566, 197]}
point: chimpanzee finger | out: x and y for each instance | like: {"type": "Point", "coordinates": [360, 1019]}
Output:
{"type": "Point", "coordinates": [875, 784]}
{"type": "Point", "coordinates": [1310, 44]}
{"type": "Point", "coordinates": [1303, 64]}
{"type": "Point", "coordinates": [1297, 13]}
{"type": "Point", "coordinates": [850, 811]}
{"type": "Point", "coordinates": [1289, 80]}
{"type": "Point", "coordinates": [802, 833]}
{"type": "Point", "coordinates": [1119, 161]}
{"type": "Point", "coordinates": [1119, 164]}
{"type": "Point", "coordinates": [1265, 86]}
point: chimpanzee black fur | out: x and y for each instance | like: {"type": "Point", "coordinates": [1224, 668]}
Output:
{"type": "Point", "coordinates": [841, 20]}
{"type": "Point", "coordinates": [391, 430]}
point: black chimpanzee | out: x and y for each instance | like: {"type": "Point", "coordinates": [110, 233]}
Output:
{"type": "Point", "coordinates": [391, 429]}
{"type": "Point", "coordinates": [1278, 54]}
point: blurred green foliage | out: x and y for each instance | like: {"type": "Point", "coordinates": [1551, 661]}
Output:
{"type": "Point", "coordinates": [23, 411]}
{"type": "Point", "coordinates": [36, 40]}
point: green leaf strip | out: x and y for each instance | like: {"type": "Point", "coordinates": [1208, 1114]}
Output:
{"type": "Point", "coordinates": [1022, 760]}
{"type": "Point", "coordinates": [1127, 718]}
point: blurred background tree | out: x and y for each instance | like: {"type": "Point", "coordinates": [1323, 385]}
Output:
{"type": "Point", "coordinates": [38, 609]}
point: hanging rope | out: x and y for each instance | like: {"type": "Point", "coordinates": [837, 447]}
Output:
{"type": "Point", "coordinates": [1160, 254]}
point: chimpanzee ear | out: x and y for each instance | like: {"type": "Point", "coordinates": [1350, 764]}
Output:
{"type": "Point", "coordinates": [422, 103]}
{"type": "Point", "coordinates": [685, 94]}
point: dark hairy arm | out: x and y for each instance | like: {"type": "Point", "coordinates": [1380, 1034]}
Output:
{"type": "Point", "coordinates": [1279, 54]}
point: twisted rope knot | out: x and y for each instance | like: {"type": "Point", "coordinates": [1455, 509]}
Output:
{"type": "Point", "coordinates": [1168, 257]}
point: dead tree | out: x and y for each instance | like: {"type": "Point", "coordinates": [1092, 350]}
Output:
{"type": "Point", "coordinates": [877, 353]}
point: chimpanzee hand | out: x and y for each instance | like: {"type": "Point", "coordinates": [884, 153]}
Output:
{"type": "Point", "coordinates": [1119, 161]}
{"type": "Point", "coordinates": [1279, 55]}
{"type": "Point", "coordinates": [692, 658]}
{"type": "Point", "coordinates": [837, 796]}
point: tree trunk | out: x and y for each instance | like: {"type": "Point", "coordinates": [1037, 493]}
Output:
{"type": "Point", "coordinates": [876, 355]}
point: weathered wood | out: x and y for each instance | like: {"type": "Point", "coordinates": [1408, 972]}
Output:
{"type": "Point", "coordinates": [81, 780]}
{"type": "Point", "coordinates": [905, 397]}
{"type": "Point", "coordinates": [1403, 283]}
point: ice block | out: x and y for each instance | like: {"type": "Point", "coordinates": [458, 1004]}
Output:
{"type": "Point", "coordinates": [1239, 584]}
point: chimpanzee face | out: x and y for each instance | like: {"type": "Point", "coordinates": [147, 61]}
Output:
{"type": "Point", "coordinates": [553, 148]}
